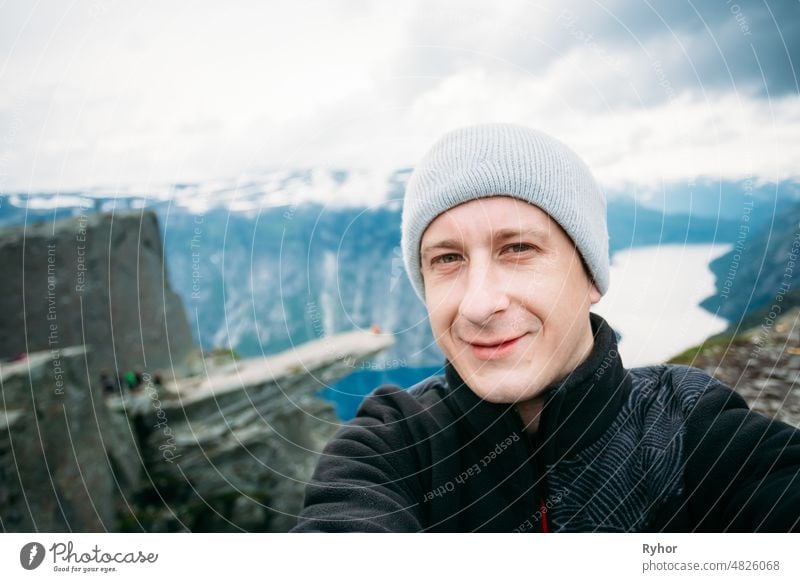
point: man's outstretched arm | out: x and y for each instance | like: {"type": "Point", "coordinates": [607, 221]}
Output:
{"type": "Point", "coordinates": [367, 477]}
{"type": "Point", "coordinates": [743, 468]}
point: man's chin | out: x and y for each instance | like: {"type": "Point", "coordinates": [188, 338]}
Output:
{"type": "Point", "coordinates": [507, 394]}
{"type": "Point", "coordinates": [501, 381]}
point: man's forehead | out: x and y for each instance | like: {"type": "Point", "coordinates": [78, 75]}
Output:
{"type": "Point", "coordinates": [497, 211]}
{"type": "Point", "coordinates": [493, 213]}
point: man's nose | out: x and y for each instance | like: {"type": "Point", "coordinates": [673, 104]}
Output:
{"type": "Point", "coordinates": [486, 293]}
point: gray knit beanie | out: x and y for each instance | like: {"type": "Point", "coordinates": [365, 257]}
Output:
{"type": "Point", "coordinates": [504, 159]}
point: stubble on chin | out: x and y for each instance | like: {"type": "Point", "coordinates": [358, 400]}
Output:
{"type": "Point", "coordinates": [496, 390]}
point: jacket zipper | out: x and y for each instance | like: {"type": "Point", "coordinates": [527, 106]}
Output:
{"type": "Point", "coordinates": [543, 509]}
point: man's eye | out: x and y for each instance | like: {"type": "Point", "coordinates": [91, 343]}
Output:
{"type": "Point", "coordinates": [444, 258]}
{"type": "Point", "coordinates": [521, 247]}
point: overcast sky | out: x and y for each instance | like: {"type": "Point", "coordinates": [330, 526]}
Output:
{"type": "Point", "coordinates": [107, 93]}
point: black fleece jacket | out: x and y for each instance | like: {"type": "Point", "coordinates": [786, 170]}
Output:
{"type": "Point", "coordinates": [659, 448]}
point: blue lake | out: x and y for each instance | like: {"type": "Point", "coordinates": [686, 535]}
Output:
{"type": "Point", "coordinates": [347, 393]}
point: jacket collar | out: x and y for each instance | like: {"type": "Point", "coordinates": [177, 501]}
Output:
{"type": "Point", "coordinates": [577, 408]}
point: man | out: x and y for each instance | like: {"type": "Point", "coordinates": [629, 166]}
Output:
{"type": "Point", "coordinates": [536, 425]}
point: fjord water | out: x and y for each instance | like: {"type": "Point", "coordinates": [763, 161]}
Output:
{"type": "Point", "coordinates": [653, 300]}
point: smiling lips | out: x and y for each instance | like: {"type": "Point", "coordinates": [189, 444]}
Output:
{"type": "Point", "coordinates": [495, 351]}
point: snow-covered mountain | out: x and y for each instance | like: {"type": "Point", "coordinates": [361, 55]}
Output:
{"type": "Point", "coordinates": [246, 194]}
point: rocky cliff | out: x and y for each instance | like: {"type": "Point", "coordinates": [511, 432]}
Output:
{"type": "Point", "coordinates": [66, 462]}
{"type": "Point", "coordinates": [233, 449]}
{"type": "Point", "coordinates": [96, 280]}
{"type": "Point", "coordinates": [761, 363]}
{"type": "Point", "coordinates": [230, 450]}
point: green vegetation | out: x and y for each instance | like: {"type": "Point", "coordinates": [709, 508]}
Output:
{"type": "Point", "coordinates": [719, 342]}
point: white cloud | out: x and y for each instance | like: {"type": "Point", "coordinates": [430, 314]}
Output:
{"type": "Point", "coordinates": [119, 93]}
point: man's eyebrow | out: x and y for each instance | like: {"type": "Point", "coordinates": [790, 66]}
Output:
{"type": "Point", "coordinates": [506, 233]}
{"type": "Point", "coordinates": [502, 234]}
{"type": "Point", "coordinates": [448, 243]}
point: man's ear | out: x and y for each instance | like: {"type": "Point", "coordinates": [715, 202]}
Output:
{"type": "Point", "coordinates": [594, 294]}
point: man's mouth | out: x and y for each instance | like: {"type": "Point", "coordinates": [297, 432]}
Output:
{"type": "Point", "coordinates": [493, 344]}
{"type": "Point", "coordinates": [486, 350]}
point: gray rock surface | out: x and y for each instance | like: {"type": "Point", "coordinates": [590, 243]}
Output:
{"type": "Point", "coordinates": [66, 463]}
{"type": "Point", "coordinates": [232, 450]}
{"type": "Point", "coordinates": [227, 451]}
{"type": "Point", "coordinates": [762, 364]}
{"type": "Point", "coordinates": [95, 279]}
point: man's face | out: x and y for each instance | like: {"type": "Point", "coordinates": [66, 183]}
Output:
{"type": "Point", "coordinates": [501, 270]}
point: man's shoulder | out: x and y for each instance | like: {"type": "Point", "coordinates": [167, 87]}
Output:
{"type": "Point", "coordinates": [424, 397]}
{"type": "Point", "coordinates": [680, 376]}
{"type": "Point", "coordinates": [431, 389]}
{"type": "Point", "coordinates": [677, 383]}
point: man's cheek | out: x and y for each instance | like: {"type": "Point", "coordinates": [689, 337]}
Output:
{"type": "Point", "coordinates": [440, 313]}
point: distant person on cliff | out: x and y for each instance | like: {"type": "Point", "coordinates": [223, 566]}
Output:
{"type": "Point", "coordinates": [536, 425]}
{"type": "Point", "coordinates": [121, 383]}
{"type": "Point", "coordinates": [107, 383]}
{"type": "Point", "coordinates": [130, 379]}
